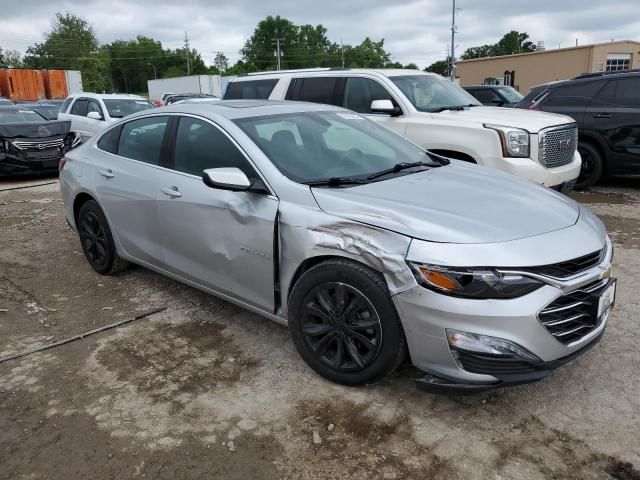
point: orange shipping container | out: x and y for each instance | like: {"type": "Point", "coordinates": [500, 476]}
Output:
{"type": "Point", "coordinates": [55, 84]}
{"type": "Point", "coordinates": [22, 84]}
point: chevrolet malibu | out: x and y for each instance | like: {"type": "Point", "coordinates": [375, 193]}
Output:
{"type": "Point", "coordinates": [369, 248]}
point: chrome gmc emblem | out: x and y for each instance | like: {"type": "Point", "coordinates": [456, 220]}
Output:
{"type": "Point", "coordinates": [564, 144]}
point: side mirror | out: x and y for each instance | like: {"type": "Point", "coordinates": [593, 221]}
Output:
{"type": "Point", "coordinates": [385, 106]}
{"type": "Point", "coordinates": [94, 116]}
{"type": "Point", "coordinates": [230, 178]}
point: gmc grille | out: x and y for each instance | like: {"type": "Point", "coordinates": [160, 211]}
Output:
{"type": "Point", "coordinates": [557, 146]}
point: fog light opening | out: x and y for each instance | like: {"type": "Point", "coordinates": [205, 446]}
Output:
{"type": "Point", "coordinates": [483, 344]}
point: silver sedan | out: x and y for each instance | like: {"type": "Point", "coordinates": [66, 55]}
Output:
{"type": "Point", "coordinates": [370, 249]}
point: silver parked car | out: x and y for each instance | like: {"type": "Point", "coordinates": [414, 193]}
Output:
{"type": "Point", "coordinates": [367, 246]}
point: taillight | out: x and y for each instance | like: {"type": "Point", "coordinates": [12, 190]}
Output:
{"type": "Point", "coordinates": [61, 164]}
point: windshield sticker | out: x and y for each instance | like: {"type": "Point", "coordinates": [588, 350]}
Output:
{"type": "Point", "coordinates": [350, 116]}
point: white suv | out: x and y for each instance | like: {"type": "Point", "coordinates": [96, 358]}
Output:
{"type": "Point", "coordinates": [436, 114]}
{"type": "Point", "coordinates": [91, 112]}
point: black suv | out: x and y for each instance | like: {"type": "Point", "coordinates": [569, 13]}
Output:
{"type": "Point", "coordinates": [495, 95]}
{"type": "Point", "coordinates": [606, 107]}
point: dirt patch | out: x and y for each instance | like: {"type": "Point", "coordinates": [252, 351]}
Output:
{"type": "Point", "coordinates": [624, 232]}
{"type": "Point", "coordinates": [193, 357]}
{"type": "Point", "coordinates": [359, 437]}
{"type": "Point", "coordinates": [599, 197]}
{"type": "Point", "coordinates": [534, 446]}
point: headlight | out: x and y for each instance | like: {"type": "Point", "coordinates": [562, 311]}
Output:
{"type": "Point", "coordinates": [515, 141]}
{"type": "Point", "coordinates": [474, 283]}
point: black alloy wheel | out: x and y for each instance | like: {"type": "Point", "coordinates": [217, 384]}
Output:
{"type": "Point", "coordinates": [94, 240]}
{"type": "Point", "coordinates": [344, 324]}
{"type": "Point", "coordinates": [341, 326]}
{"type": "Point", "coordinates": [97, 241]}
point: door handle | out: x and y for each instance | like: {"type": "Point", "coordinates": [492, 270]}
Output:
{"type": "Point", "coordinates": [108, 173]}
{"type": "Point", "coordinates": [171, 191]}
{"type": "Point", "coordinates": [602, 115]}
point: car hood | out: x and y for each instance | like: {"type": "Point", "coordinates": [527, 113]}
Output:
{"type": "Point", "coordinates": [532, 121]}
{"type": "Point", "coordinates": [454, 204]}
{"type": "Point", "coordinates": [42, 129]}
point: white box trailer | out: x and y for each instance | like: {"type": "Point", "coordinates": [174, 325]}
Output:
{"type": "Point", "coordinates": [208, 84]}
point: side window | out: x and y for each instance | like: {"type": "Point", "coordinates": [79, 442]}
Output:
{"type": "Point", "coordinates": [142, 139]}
{"type": "Point", "coordinates": [628, 92]}
{"type": "Point", "coordinates": [360, 92]}
{"type": "Point", "coordinates": [317, 90]}
{"type": "Point", "coordinates": [109, 141]}
{"type": "Point", "coordinates": [65, 105]}
{"type": "Point", "coordinates": [93, 106]}
{"type": "Point", "coordinates": [200, 145]}
{"type": "Point", "coordinates": [79, 107]}
{"type": "Point", "coordinates": [250, 89]}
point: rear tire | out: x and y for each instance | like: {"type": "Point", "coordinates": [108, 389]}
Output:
{"type": "Point", "coordinates": [344, 324]}
{"type": "Point", "coordinates": [97, 241]}
{"type": "Point", "coordinates": [592, 167]}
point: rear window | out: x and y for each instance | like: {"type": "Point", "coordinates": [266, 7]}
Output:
{"type": "Point", "coordinates": [250, 89]}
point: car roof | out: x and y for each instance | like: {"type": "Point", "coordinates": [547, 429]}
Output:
{"type": "Point", "coordinates": [107, 96]}
{"type": "Point", "coordinates": [584, 78]}
{"type": "Point", "coordinates": [232, 109]}
{"type": "Point", "coordinates": [312, 72]}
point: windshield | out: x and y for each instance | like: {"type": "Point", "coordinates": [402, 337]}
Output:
{"type": "Point", "coordinates": [429, 93]}
{"type": "Point", "coordinates": [121, 107]}
{"type": "Point", "coordinates": [313, 146]}
{"type": "Point", "coordinates": [19, 116]}
{"type": "Point", "coordinates": [511, 94]}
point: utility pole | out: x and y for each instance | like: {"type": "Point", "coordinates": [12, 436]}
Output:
{"type": "Point", "coordinates": [452, 73]}
{"type": "Point", "coordinates": [186, 49]}
{"type": "Point", "coordinates": [342, 51]}
{"type": "Point", "coordinates": [277, 53]}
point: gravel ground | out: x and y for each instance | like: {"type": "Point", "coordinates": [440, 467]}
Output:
{"type": "Point", "coordinates": [208, 390]}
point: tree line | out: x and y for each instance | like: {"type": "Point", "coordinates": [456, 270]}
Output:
{"type": "Point", "coordinates": [126, 65]}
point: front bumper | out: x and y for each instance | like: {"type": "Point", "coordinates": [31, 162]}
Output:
{"type": "Point", "coordinates": [14, 165]}
{"type": "Point", "coordinates": [533, 170]}
{"type": "Point", "coordinates": [427, 315]}
{"type": "Point", "coordinates": [525, 372]}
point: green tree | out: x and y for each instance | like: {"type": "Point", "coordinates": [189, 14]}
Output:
{"type": "Point", "coordinates": [412, 66]}
{"type": "Point", "coordinates": [259, 50]}
{"type": "Point", "coordinates": [510, 43]}
{"type": "Point", "coordinates": [220, 64]}
{"type": "Point", "coordinates": [71, 44]}
{"type": "Point", "coordinates": [11, 59]}
{"type": "Point", "coordinates": [441, 67]}
{"type": "Point", "coordinates": [368, 54]}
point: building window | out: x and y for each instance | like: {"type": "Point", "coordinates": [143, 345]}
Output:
{"type": "Point", "coordinates": [618, 61]}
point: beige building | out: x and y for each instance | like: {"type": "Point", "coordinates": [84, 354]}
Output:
{"type": "Point", "coordinates": [525, 70]}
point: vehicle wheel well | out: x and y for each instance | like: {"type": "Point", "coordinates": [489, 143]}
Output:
{"type": "Point", "coordinates": [455, 155]}
{"type": "Point", "coordinates": [312, 262]}
{"type": "Point", "coordinates": [80, 200]}
{"type": "Point", "coordinates": [595, 144]}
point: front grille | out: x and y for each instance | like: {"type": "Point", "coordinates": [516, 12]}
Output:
{"type": "Point", "coordinates": [574, 315]}
{"type": "Point", "coordinates": [558, 146]}
{"type": "Point", "coordinates": [37, 145]}
{"type": "Point", "coordinates": [570, 267]}
{"type": "Point", "coordinates": [490, 365]}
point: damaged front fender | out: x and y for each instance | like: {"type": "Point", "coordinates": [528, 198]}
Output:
{"type": "Point", "coordinates": [306, 234]}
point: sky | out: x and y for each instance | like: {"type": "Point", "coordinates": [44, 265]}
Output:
{"type": "Point", "coordinates": [414, 31]}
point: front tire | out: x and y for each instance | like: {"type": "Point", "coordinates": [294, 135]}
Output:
{"type": "Point", "coordinates": [344, 324]}
{"type": "Point", "coordinates": [592, 167]}
{"type": "Point", "coordinates": [97, 241]}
